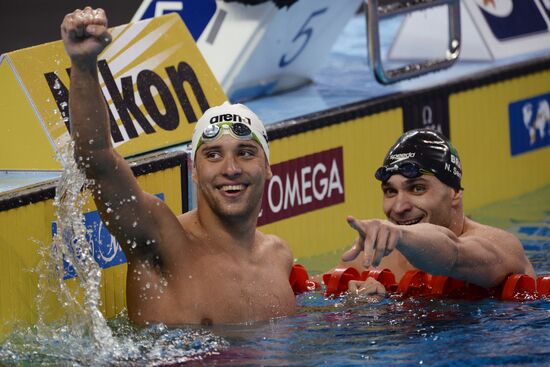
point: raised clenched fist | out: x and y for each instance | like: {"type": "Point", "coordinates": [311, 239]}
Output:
{"type": "Point", "coordinates": [85, 34]}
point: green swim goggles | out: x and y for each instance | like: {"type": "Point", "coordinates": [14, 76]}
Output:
{"type": "Point", "coordinates": [238, 130]}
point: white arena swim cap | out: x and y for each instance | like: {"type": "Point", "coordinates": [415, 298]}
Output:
{"type": "Point", "coordinates": [228, 112]}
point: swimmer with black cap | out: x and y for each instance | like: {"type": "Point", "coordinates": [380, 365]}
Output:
{"type": "Point", "coordinates": [426, 227]}
{"type": "Point", "coordinates": [207, 266]}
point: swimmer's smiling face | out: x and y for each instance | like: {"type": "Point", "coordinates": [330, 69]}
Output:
{"type": "Point", "coordinates": [230, 175]}
{"type": "Point", "coordinates": [424, 199]}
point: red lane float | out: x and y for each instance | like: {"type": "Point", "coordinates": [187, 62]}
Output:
{"type": "Point", "coordinates": [384, 276]}
{"type": "Point", "coordinates": [543, 285]}
{"type": "Point", "coordinates": [299, 280]}
{"type": "Point", "coordinates": [337, 281]}
{"type": "Point", "coordinates": [444, 286]}
{"type": "Point", "coordinates": [415, 283]}
{"type": "Point", "coordinates": [516, 287]}
{"type": "Point", "coordinates": [519, 287]}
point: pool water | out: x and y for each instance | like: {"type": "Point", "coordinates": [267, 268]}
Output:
{"type": "Point", "coordinates": [396, 332]}
{"type": "Point", "coordinates": [63, 344]}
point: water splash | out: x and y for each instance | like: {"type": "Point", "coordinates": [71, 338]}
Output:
{"type": "Point", "coordinates": [82, 336]}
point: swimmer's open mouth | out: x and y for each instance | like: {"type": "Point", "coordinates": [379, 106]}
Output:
{"type": "Point", "coordinates": [233, 189]}
{"type": "Point", "coordinates": [408, 222]}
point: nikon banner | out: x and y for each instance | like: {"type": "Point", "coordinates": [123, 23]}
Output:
{"type": "Point", "coordinates": [154, 79]}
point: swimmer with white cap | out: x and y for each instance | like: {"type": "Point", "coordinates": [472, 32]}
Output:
{"type": "Point", "coordinates": [209, 265]}
{"type": "Point", "coordinates": [236, 120]}
{"type": "Point", "coordinates": [426, 227]}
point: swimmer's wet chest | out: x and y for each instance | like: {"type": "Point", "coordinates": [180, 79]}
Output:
{"type": "Point", "coordinates": [224, 291]}
{"type": "Point", "coordinates": [206, 270]}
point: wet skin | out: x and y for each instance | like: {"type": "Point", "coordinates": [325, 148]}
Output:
{"type": "Point", "coordinates": [421, 200]}
{"type": "Point", "coordinates": [208, 266]}
{"type": "Point", "coordinates": [229, 272]}
{"type": "Point", "coordinates": [426, 229]}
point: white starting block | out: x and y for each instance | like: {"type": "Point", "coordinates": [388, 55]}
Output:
{"type": "Point", "coordinates": [255, 50]}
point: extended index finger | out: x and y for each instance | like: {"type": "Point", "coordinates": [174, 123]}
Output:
{"type": "Point", "coordinates": [354, 223]}
{"type": "Point", "coordinates": [369, 248]}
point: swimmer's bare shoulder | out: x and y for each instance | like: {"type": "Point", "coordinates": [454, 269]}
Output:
{"type": "Point", "coordinates": [277, 248]}
{"type": "Point", "coordinates": [498, 242]}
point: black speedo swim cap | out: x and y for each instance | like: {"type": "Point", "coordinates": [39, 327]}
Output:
{"type": "Point", "coordinates": [423, 149]}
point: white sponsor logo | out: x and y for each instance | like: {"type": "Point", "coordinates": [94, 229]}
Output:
{"type": "Point", "coordinates": [539, 123]}
{"type": "Point", "coordinates": [228, 117]}
{"type": "Point", "coordinates": [396, 158]}
{"type": "Point", "coordinates": [303, 186]}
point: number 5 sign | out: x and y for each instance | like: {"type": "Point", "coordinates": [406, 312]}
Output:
{"type": "Point", "coordinates": [260, 49]}
{"type": "Point", "coordinates": [304, 35]}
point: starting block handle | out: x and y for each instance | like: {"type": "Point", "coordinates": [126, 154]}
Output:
{"type": "Point", "coordinates": [380, 9]}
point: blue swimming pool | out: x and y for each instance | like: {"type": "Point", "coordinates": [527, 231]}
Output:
{"type": "Point", "coordinates": [396, 332]}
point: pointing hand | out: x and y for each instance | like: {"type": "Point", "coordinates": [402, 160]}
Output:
{"type": "Point", "coordinates": [377, 238]}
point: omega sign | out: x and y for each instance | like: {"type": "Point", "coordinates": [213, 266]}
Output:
{"type": "Point", "coordinates": [302, 185]}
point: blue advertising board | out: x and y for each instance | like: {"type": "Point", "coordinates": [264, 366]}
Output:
{"type": "Point", "coordinates": [529, 121]}
{"type": "Point", "coordinates": [195, 14]}
{"type": "Point", "coordinates": [106, 250]}
{"type": "Point", "coordinates": [515, 18]}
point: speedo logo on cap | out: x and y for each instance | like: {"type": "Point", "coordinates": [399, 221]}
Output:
{"type": "Point", "coordinates": [228, 117]}
{"type": "Point", "coordinates": [401, 157]}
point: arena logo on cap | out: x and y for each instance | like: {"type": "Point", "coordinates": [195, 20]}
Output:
{"type": "Point", "coordinates": [228, 117]}
{"type": "Point", "coordinates": [302, 185]}
{"type": "Point", "coordinates": [529, 121]}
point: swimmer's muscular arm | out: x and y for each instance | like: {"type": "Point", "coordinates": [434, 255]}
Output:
{"type": "Point", "coordinates": [481, 255]}
{"type": "Point", "coordinates": [131, 214]}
